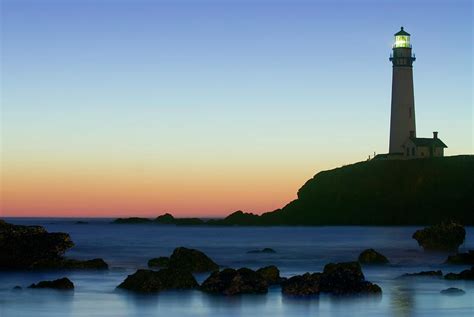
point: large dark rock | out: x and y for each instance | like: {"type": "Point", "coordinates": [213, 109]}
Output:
{"type": "Point", "coordinates": [445, 236]}
{"type": "Point", "coordinates": [147, 281]}
{"type": "Point", "coordinates": [370, 256]}
{"type": "Point", "coordinates": [264, 250]}
{"type": "Point", "coordinates": [337, 279]}
{"type": "Point", "coordinates": [424, 273]}
{"type": "Point", "coordinates": [23, 246]}
{"type": "Point", "coordinates": [169, 219]}
{"type": "Point", "coordinates": [233, 282]}
{"type": "Point", "coordinates": [302, 285]}
{"type": "Point", "coordinates": [191, 260]}
{"type": "Point", "coordinates": [271, 274]}
{"type": "Point", "coordinates": [161, 261]}
{"type": "Point", "coordinates": [346, 278]}
{"type": "Point", "coordinates": [464, 275]}
{"type": "Point", "coordinates": [462, 258]}
{"type": "Point", "coordinates": [61, 284]}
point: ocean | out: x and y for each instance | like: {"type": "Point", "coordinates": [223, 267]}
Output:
{"type": "Point", "coordinates": [298, 250]}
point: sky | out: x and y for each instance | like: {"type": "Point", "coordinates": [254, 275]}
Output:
{"type": "Point", "coordinates": [200, 108]}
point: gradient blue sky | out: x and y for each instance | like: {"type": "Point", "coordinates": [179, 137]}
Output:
{"type": "Point", "coordinates": [260, 94]}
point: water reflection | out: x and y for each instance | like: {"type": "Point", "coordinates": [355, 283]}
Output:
{"type": "Point", "coordinates": [402, 299]}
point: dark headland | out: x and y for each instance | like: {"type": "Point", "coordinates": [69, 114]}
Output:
{"type": "Point", "coordinates": [375, 192]}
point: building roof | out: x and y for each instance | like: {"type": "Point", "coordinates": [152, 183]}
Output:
{"type": "Point", "coordinates": [430, 142]}
{"type": "Point", "coordinates": [402, 32]}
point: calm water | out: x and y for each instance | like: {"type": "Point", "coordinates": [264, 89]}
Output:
{"type": "Point", "coordinates": [299, 250]}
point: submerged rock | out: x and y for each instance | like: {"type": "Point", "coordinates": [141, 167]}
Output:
{"type": "Point", "coordinates": [148, 281]}
{"type": "Point", "coordinates": [464, 275]}
{"type": "Point", "coordinates": [271, 274]}
{"type": "Point", "coordinates": [370, 256]}
{"type": "Point", "coordinates": [61, 284]}
{"type": "Point", "coordinates": [453, 291]}
{"type": "Point", "coordinates": [424, 273]}
{"type": "Point", "coordinates": [22, 246]}
{"type": "Point", "coordinates": [264, 250]}
{"type": "Point", "coordinates": [302, 285]}
{"type": "Point", "coordinates": [445, 236]}
{"type": "Point", "coordinates": [71, 264]}
{"type": "Point", "coordinates": [191, 260]}
{"type": "Point", "coordinates": [233, 282]}
{"type": "Point", "coordinates": [161, 261]}
{"type": "Point", "coordinates": [462, 258]}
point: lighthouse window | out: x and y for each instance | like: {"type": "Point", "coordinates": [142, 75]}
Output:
{"type": "Point", "coordinates": [409, 112]}
{"type": "Point", "coordinates": [413, 151]}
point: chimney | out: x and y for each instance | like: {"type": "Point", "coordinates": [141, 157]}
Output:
{"type": "Point", "coordinates": [412, 134]}
{"type": "Point", "coordinates": [435, 135]}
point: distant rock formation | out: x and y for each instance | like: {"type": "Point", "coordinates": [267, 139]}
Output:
{"type": "Point", "coordinates": [264, 250]}
{"type": "Point", "coordinates": [60, 284]}
{"type": "Point", "coordinates": [453, 291]}
{"type": "Point", "coordinates": [424, 273]}
{"type": "Point", "coordinates": [376, 192]}
{"type": "Point", "coordinates": [444, 236]}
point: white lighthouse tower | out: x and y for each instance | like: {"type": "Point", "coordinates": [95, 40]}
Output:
{"type": "Point", "coordinates": [402, 120]}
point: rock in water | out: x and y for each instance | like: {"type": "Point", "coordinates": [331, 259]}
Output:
{"type": "Point", "coordinates": [233, 282]}
{"type": "Point", "coordinates": [464, 275]}
{"type": "Point", "coordinates": [161, 261]}
{"type": "Point", "coordinates": [302, 285]}
{"type": "Point", "coordinates": [462, 258]}
{"type": "Point", "coordinates": [264, 250]}
{"type": "Point", "coordinates": [370, 256]}
{"type": "Point", "coordinates": [147, 281]}
{"type": "Point", "coordinates": [61, 284]}
{"type": "Point", "coordinates": [346, 278]}
{"type": "Point", "coordinates": [22, 246]}
{"type": "Point", "coordinates": [453, 291]}
{"type": "Point", "coordinates": [271, 274]}
{"type": "Point", "coordinates": [191, 260]}
{"type": "Point", "coordinates": [424, 273]}
{"type": "Point", "coordinates": [444, 237]}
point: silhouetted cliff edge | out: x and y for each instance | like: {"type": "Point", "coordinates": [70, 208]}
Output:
{"type": "Point", "coordinates": [378, 192]}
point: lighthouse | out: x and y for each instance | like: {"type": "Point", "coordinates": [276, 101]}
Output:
{"type": "Point", "coordinates": [402, 118]}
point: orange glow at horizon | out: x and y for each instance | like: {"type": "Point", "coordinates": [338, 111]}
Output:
{"type": "Point", "coordinates": [113, 190]}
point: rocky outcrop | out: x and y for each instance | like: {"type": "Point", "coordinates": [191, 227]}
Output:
{"type": "Point", "coordinates": [464, 275]}
{"type": "Point", "coordinates": [233, 282]}
{"type": "Point", "coordinates": [453, 291]}
{"type": "Point", "coordinates": [444, 237]}
{"type": "Point", "coordinates": [337, 279]}
{"type": "Point", "coordinates": [346, 278]}
{"type": "Point", "coordinates": [169, 219]}
{"type": "Point", "coordinates": [60, 284]}
{"type": "Point", "coordinates": [161, 261]}
{"type": "Point", "coordinates": [370, 256]}
{"type": "Point", "coordinates": [23, 246]}
{"type": "Point", "coordinates": [264, 250]}
{"type": "Point", "coordinates": [302, 285]}
{"type": "Point", "coordinates": [191, 260]}
{"type": "Point", "coordinates": [147, 281]}
{"type": "Point", "coordinates": [462, 258]}
{"type": "Point", "coordinates": [424, 273]}
{"type": "Point", "coordinates": [271, 274]}
{"type": "Point", "coordinates": [32, 247]}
